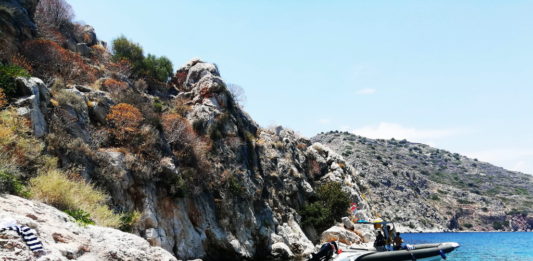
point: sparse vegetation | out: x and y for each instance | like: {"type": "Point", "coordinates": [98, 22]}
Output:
{"type": "Point", "coordinates": [156, 68]}
{"type": "Point", "coordinates": [129, 220]}
{"type": "Point", "coordinates": [9, 183]}
{"type": "Point", "coordinates": [124, 120]}
{"type": "Point", "coordinates": [330, 205]}
{"type": "Point", "coordinates": [497, 225]}
{"type": "Point", "coordinates": [8, 73]}
{"type": "Point", "coordinates": [75, 196]}
{"type": "Point", "coordinates": [50, 60]}
{"type": "Point", "coordinates": [80, 216]}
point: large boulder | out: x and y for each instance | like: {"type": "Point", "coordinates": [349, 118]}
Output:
{"type": "Point", "coordinates": [34, 103]}
{"type": "Point", "coordinates": [64, 239]}
{"type": "Point", "coordinates": [85, 34]}
{"type": "Point", "coordinates": [342, 235]}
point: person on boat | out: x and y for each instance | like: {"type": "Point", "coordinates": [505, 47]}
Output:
{"type": "Point", "coordinates": [389, 238]}
{"type": "Point", "coordinates": [379, 244]}
{"type": "Point", "coordinates": [398, 241]}
{"type": "Point", "coordinates": [326, 251]}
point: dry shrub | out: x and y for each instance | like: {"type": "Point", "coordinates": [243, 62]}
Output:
{"type": "Point", "coordinates": [99, 54]}
{"type": "Point", "coordinates": [147, 144]}
{"type": "Point", "coordinates": [113, 86]}
{"type": "Point", "coordinates": [187, 146]}
{"type": "Point", "coordinates": [123, 67]}
{"type": "Point", "coordinates": [125, 120]}
{"type": "Point", "coordinates": [65, 97]}
{"type": "Point", "coordinates": [3, 99]}
{"type": "Point", "coordinates": [180, 106]}
{"type": "Point", "coordinates": [53, 14]}
{"type": "Point", "coordinates": [48, 59]}
{"type": "Point", "coordinates": [17, 144]}
{"type": "Point", "coordinates": [55, 188]}
{"type": "Point", "coordinates": [301, 146]}
{"type": "Point", "coordinates": [21, 61]}
{"type": "Point", "coordinates": [177, 129]}
{"type": "Point", "coordinates": [140, 85]}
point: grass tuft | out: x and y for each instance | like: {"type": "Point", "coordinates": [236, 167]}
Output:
{"type": "Point", "coordinates": [56, 189]}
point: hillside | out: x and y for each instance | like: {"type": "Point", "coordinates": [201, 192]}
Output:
{"type": "Point", "coordinates": [429, 189]}
{"type": "Point", "coordinates": [116, 137]}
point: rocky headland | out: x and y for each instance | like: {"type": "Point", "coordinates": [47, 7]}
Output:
{"type": "Point", "coordinates": [428, 189]}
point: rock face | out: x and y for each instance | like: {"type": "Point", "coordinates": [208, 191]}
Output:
{"type": "Point", "coordinates": [35, 97]}
{"type": "Point", "coordinates": [426, 189]}
{"type": "Point", "coordinates": [16, 22]}
{"type": "Point", "coordinates": [64, 239]}
{"type": "Point", "coordinates": [241, 199]}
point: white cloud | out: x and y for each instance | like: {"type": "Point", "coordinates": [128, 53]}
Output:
{"type": "Point", "coordinates": [387, 130]}
{"type": "Point", "coordinates": [366, 91]}
{"type": "Point", "coordinates": [324, 121]}
{"type": "Point", "coordinates": [517, 159]}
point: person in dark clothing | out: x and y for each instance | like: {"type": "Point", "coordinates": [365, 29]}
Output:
{"type": "Point", "coordinates": [379, 244]}
{"type": "Point", "coordinates": [326, 251]}
{"type": "Point", "coordinates": [398, 241]}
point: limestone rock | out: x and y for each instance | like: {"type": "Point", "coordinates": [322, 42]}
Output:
{"type": "Point", "coordinates": [348, 224]}
{"type": "Point", "coordinates": [64, 239]}
{"type": "Point", "coordinates": [342, 235]}
{"type": "Point", "coordinates": [83, 49]}
{"type": "Point", "coordinates": [36, 102]}
{"type": "Point", "coordinates": [86, 35]}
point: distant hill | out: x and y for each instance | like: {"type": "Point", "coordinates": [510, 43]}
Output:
{"type": "Point", "coordinates": [425, 188]}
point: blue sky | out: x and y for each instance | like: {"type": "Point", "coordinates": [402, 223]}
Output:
{"type": "Point", "coordinates": [457, 75]}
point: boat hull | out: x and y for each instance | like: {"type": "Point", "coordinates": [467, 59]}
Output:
{"type": "Point", "coordinates": [420, 252]}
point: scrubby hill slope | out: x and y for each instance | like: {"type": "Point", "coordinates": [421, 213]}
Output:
{"type": "Point", "coordinates": [425, 188]}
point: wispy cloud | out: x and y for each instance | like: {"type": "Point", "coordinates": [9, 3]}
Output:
{"type": "Point", "coordinates": [517, 159]}
{"type": "Point", "coordinates": [387, 130]}
{"type": "Point", "coordinates": [324, 121]}
{"type": "Point", "coordinates": [366, 91]}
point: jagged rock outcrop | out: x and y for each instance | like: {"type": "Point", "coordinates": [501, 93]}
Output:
{"type": "Point", "coordinates": [34, 97]}
{"type": "Point", "coordinates": [426, 189]}
{"type": "Point", "coordinates": [241, 198]}
{"type": "Point", "coordinates": [64, 239]}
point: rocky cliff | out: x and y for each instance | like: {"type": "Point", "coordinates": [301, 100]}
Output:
{"type": "Point", "coordinates": [428, 189]}
{"type": "Point", "coordinates": [206, 180]}
{"type": "Point", "coordinates": [235, 194]}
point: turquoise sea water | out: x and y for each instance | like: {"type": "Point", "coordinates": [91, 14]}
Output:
{"type": "Point", "coordinates": [515, 246]}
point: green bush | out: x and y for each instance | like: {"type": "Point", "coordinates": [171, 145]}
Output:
{"type": "Point", "coordinates": [331, 204]}
{"type": "Point", "coordinates": [128, 220]}
{"type": "Point", "coordinates": [8, 73]}
{"type": "Point", "coordinates": [80, 216]}
{"type": "Point", "coordinates": [124, 49]}
{"type": "Point", "coordinates": [10, 184]}
{"type": "Point", "coordinates": [497, 225]}
{"type": "Point", "coordinates": [157, 68]}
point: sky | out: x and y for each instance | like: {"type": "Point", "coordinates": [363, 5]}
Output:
{"type": "Point", "coordinates": [457, 75]}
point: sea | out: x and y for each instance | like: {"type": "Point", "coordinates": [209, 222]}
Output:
{"type": "Point", "coordinates": [482, 246]}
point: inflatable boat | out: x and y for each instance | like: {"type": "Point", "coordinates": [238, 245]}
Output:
{"type": "Point", "coordinates": [420, 252]}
